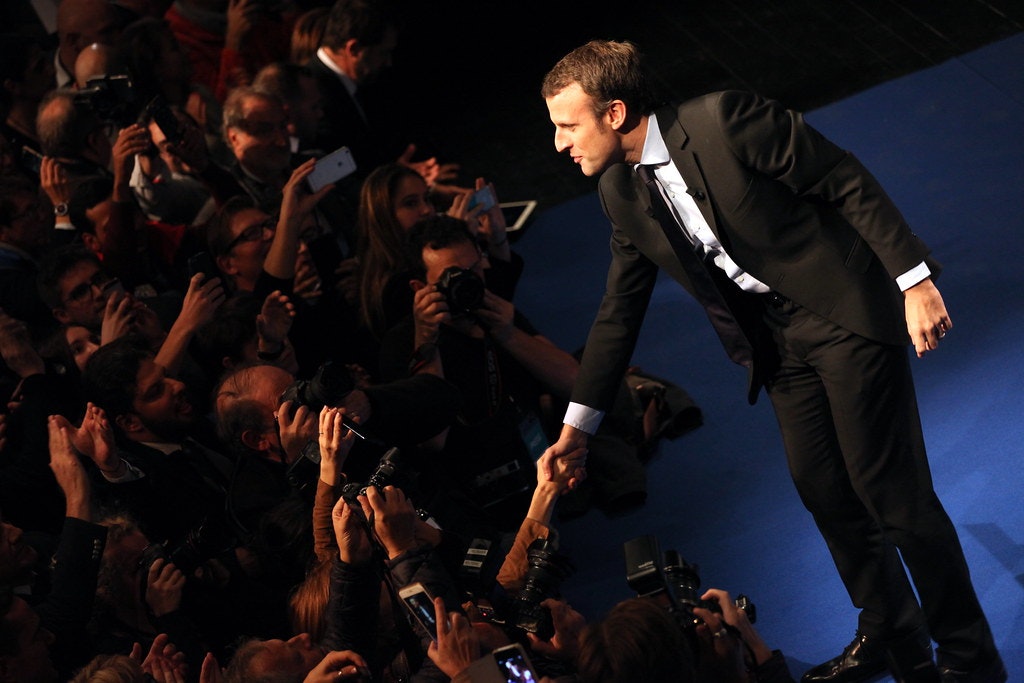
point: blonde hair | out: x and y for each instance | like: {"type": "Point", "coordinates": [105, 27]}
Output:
{"type": "Point", "coordinates": [110, 669]}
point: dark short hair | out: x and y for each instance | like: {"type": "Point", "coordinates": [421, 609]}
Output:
{"type": "Point", "coordinates": [57, 263]}
{"type": "Point", "coordinates": [86, 192]}
{"type": "Point", "coordinates": [365, 20]}
{"type": "Point", "coordinates": [639, 640]}
{"type": "Point", "coordinates": [282, 80]}
{"type": "Point", "coordinates": [606, 70]}
{"type": "Point", "coordinates": [436, 232]}
{"type": "Point", "coordinates": [218, 228]}
{"type": "Point", "coordinates": [110, 379]}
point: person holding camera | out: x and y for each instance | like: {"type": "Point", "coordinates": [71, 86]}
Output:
{"type": "Point", "coordinates": [505, 370]}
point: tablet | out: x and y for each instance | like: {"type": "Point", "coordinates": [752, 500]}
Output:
{"type": "Point", "coordinates": [517, 213]}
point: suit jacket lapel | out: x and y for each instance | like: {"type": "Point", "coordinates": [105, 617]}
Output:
{"type": "Point", "coordinates": [686, 162]}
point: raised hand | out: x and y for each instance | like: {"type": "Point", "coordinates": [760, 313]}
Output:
{"type": "Point", "coordinates": [457, 645]}
{"type": "Point", "coordinates": [336, 442]}
{"type": "Point", "coordinates": [164, 586]}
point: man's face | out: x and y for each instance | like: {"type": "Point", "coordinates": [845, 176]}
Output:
{"type": "Point", "coordinates": [589, 140]}
{"type": "Point", "coordinates": [371, 61]}
{"type": "Point", "coordinates": [411, 202]}
{"type": "Point", "coordinates": [31, 663]}
{"type": "Point", "coordinates": [252, 233]}
{"type": "Point", "coordinates": [83, 295]}
{"type": "Point", "coordinates": [17, 558]}
{"type": "Point", "coordinates": [161, 403]}
{"type": "Point", "coordinates": [260, 140]}
{"type": "Point", "coordinates": [82, 342]}
{"type": "Point", "coordinates": [296, 655]}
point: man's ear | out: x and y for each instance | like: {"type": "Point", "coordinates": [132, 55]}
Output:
{"type": "Point", "coordinates": [91, 242]}
{"type": "Point", "coordinates": [255, 440]}
{"type": "Point", "coordinates": [129, 423]}
{"type": "Point", "coordinates": [616, 114]}
{"type": "Point", "coordinates": [61, 315]}
{"type": "Point", "coordinates": [226, 264]}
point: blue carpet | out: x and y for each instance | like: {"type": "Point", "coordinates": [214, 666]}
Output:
{"type": "Point", "coordinates": [948, 145]}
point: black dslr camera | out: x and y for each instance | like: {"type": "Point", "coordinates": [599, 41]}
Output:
{"type": "Point", "coordinates": [207, 541]}
{"type": "Point", "coordinates": [462, 288]}
{"type": "Point", "coordinates": [543, 578]}
{"type": "Point", "coordinates": [670, 580]}
{"type": "Point", "coordinates": [387, 474]}
{"type": "Point", "coordinates": [111, 98]}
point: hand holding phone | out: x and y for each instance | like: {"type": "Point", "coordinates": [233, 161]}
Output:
{"type": "Point", "coordinates": [484, 198]}
{"type": "Point", "coordinates": [202, 262]}
{"type": "Point", "coordinates": [420, 604]}
{"type": "Point", "coordinates": [508, 664]}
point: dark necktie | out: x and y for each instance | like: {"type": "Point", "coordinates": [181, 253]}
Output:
{"type": "Point", "coordinates": [704, 289]}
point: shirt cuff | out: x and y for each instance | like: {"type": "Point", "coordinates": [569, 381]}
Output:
{"type": "Point", "coordinates": [584, 418]}
{"type": "Point", "coordinates": [913, 276]}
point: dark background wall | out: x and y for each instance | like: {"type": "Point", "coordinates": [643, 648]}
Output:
{"type": "Point", "coordinates": [471, 71]}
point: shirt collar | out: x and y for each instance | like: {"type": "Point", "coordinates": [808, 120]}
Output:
{"type": "Point", "coordinates": [349, 84]}
{"type": "Point", "coordinates": [655, 152]}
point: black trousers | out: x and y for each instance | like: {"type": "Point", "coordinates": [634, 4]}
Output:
{"type": "Point", "coordinates": [848, 413]}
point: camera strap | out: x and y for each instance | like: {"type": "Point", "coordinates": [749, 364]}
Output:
{"type": "Point", "coordinates": [492, 371]}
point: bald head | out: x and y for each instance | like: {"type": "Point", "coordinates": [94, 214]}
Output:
{"type": "Point", "coordinates": [96, 60]}
{"type": "Point", "coordinates": [81, 23]}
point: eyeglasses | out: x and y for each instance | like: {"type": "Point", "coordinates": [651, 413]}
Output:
{"type": "Point", "coordinates": [99, 280]}
{"type": "Point", "coordinates": [261, 129]}
{"type": "Point", "coordinates": [254, 233]}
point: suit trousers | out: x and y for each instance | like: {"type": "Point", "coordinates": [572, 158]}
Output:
{"type": "Point", "coordinates": [849, 419]}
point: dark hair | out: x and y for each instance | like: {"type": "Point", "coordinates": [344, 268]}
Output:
{"type": "Point", "coordinates": [110, 379]}
{"type": "Point", "coordinates": [307, 34]}
{"type": "Point", "coordinates": [86, 192]}
{"type": "Point", "coordinates": [437, 232]}
{"type": "Point", "coordinates": [218, 228]}
{"type": "Point", "coordinates": [283, 80]}
{"type": "Point", "coordinates": [365, 20]}
{"type": "Point", "coordinates": [606, 70]}
{"type": "Point", "coordinates": [57, 263]}
{"type": "Point", "coordinates": [228, 332]}
{"type": "Point", "coordinates": [382, 252]}
{"type": "Point", "coordinates": [639, 640]}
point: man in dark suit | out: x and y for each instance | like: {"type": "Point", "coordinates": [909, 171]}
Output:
{"type": "Point", "coordinates": [812, 279]}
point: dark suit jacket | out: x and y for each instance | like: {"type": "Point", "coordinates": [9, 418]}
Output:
{"type": "Point", "coordinates": [791, 208]}
{"type": "Point", "coordinates": [342, 123]}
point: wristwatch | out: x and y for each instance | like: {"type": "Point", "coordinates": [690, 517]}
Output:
{"type": "Point", "coordinates": [60, 210]}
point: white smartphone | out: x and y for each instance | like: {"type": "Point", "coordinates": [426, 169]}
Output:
{"type": "Point", "coordinates": [421, 606]}
{"type": "Point", "coordinates": [331, 168]}
{"type": "Point", "coordinates": [484, 198]}
{"type": "Point", "coordinates": [508, 664]}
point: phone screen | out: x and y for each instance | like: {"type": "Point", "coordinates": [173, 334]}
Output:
{"type": "Point", "coordinates": [422, 608]}
{"type": "Point", "coordinates": [513, 665]}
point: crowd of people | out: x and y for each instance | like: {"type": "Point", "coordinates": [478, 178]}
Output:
{"type": "Point", "coordinates": [243, 413]}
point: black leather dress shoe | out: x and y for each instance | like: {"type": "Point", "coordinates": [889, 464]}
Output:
{"type": "Point", "coordinates": [861, 660]}
{"type": "Point", "coordinates": [992, 671]}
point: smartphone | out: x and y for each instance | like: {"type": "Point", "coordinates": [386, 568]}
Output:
{"type": "Point", "coordinates": [421, 606]}
{"type": "Point", "coordinates": [158, 111]}
{"type": "Point", "coordinates": [484, 198]}
{"type": "Point", "coordinates": [31, 159]}
{"type": "Point", "coordinates": [508, 664]}
{"type": "Point", "coordinates": [331, 168]}
{"type": "Point", "coordinates": [202, 262]}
